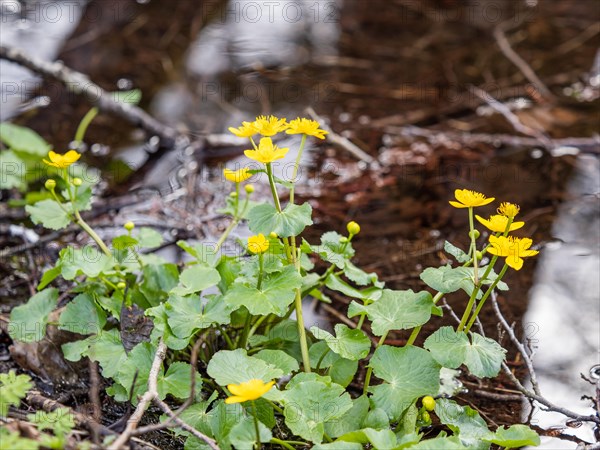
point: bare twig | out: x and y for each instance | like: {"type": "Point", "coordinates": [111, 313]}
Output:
{"type": "Point", "coordinates": [525, 355]}
{"type": "Point", "coordinates": [511, 117]}
{"type": "Point", "coordinates": [343, 142]}
{"type": "Point", "coordinates": [82, 85]}
{"type": "Point", "coordinates": [525, 68]}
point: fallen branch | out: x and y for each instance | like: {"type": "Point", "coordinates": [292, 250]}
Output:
{"type": "Point", "coordinates": [80, 84]}
{"type": "Point", "coordinates": [536, 395]}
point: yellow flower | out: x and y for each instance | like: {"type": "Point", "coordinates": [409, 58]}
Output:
{"type": "Point", "coordinates": [513, 249]}
{"type": "Point", "coordinates": [62, 161]}
{"type": "Point", "coordinates": [509, 210]}
{"type": "Point", "coordinates": [237, 176]}
{"type": "Point", "coordinates": [306, 126]}
{"type": "Point", "coordinates": [469, 199]}
{"type": "Point", "coordinates": [498, 223]}
{"type": "Point", "coordinates": [249, 390]}
{"type": "Point", "coordinates": [245, 131]}
{"type": "Point", "coordinates": [269, 126]}
{"type": "Point", "coordinates": [267, 152]}
{"type": "Point", "coordinates": [258, 244]}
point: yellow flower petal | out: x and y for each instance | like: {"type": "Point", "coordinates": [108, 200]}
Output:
{"type": "Point", "coordinates": [258, 244]}
{"type": "Point", "coordinates": [235, 399]}
{"type": "Point", "coordinates": [248, 390]}
{"type": "Point", "coordinates": [237, 176]}
{"type": "Point", "coordinates": [306, 126]}
{"type": "Point", "coordinates": [470, 199]}
{"type": "Point", "coordinates": [245, 131]}
{"type": "Point", "coordinates": [266, 152]}
{"type": "Point", "coordinates": [269, 126]}
{"type": "Point", "coordinates": [508, 209]}
{"type": "Point", "coordinates": [61, 161]}
{"type": "Point", "coordinates": [498, 223]}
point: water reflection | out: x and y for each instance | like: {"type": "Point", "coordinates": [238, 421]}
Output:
{"type": "Point", "coordinates": [565, 305]}
{"type": "Point", "coordinates": [40, 28]}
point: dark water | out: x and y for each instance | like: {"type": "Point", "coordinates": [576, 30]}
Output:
{"type": "Point", "coordinates": [370, 68]}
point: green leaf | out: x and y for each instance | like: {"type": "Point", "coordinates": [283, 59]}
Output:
{"type": "Point", "coordinates": [279, 359]}
{"type": "Point", "coordinates": [28, 322]}
{"type": "Point", "coordinates": [351, 420]}
{"type": "Point", "coordinates": [89, 261]}
{"type": "Point", "coordinates": [448, 279]}
{"type": "Point", "coordinates": [360, 277]}
{"type": "Point", "coordinates": [177, 381]}
{"type": "Point", "coordinates": [377, 419]}
{"type": "Point", "coordinates": [49, 214]}
{"type": "Point", "coordinates": [342, 371]}
{"type": "Point", "coordinates": [12, 171]}
{"type": "Point", "coordinates": [13, 388]}
{"type": "Point", "coordinates": [131, 97]}
{"type": "Point", "coordinates": [195, 279]}
{"type": "Point", "coordinates": [73, 351]}
{"type": "Point", "coordinates": [337, 284]}
{"type": "Point", "coordinates": [83, 316]}
{"type": "Point", "coordinates": [149, 238]}
{"type": "Point", "coordinates": [235, 366]}
{"type": "Point", "coordinates": [419, 376]}
{"type": "Point", "coordinates": [108, 350]}
{"type": "Point", "coordinates": [265, 219]}
{"type": "Point", "coordinates": [338, 445]}
{"type": "Point", "coordinates": [158, 280]}
{"type": "Point", "coordinates": [190, 313]}
{"type": "Point", "coordinates": [162, 328]}
{"type": "Point", "coordinates": [349, 343]}
{"type": "Point", "coordinates": [514, 437]}
{"type": "Point", "coordinates": [333, 251]}
{"type": "Point", "coordinates": [60, 421]}
{"type": "Point", "coordinates": [448, 347]}
{"type": "Point", "coordinates": [22, 139]}
{"type": "Point", "coordinates": [274, 297]}
{"type": "Point", "coordinates": [399, 310]}
{"type": "Point", "coordinates": [135, 367]}
{"type": "Point", "coordinates": [243, 434]}
{"type": "Point", "coordinates": [309, 404]}
{"type": "Point", "coordinates": [441, 443]}
{"type": "Point", "coordinates": [458, 254]}
{"type": "Point", "coordinates": [379, 439]}
{"type": "Point", "coordinates": [223, 418]}
{"type": "Point", "coordinates": [484, 356]}
{"type": "Point", "coordinates": [464, 421]}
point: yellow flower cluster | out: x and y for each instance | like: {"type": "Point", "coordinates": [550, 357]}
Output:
{"type": "Point", "coordinates": [512, 248]}
{"type": "Point", "coordinates": [269, 126]}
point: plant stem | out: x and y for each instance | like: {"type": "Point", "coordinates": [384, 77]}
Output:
{"type": "Point", "coordinates": [260, 270]}
{"type": "Point", "coordinates": [282, 443]}
{"type": "Point", "coordinates": [226, 233]}
{"type": "Point", "coordinates": [273, 187]}
{"type": "Point", "coordinates": [473, 246]}
{"type": "Point", "coordinates": [322, 358]}
{"type": "Point", "coordinates": [296, 166]}
{"type": "Point", "coordinates": [415, 332]}
{"type": "Point", "coordinates": [83, 224]}
{"type": "Point", "coordinates": [84, 124]}
{"type": "Point", "coordinates": [370, 369]}
{"type": "Point", "coordinates": [469, 308]}
{"type": "Point", "coordinates": [258, 322]}
{"type": "Point", "coordinates": [484, 298]}
{"type": "Point", "coordinates": [255, 413]}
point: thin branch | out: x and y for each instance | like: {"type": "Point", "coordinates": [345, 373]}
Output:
{"type": "Point", "coordinates": [533, 395]}
{"type": "Point", "coordinates": [82, 85]}
{"type": "Point", "coordinates": [525, 68]}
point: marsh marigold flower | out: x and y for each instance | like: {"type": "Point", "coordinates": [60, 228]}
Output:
{"type": "Point", "coordinates": [470, 199]}
{"type": "Point", "coordinates": [249, 390]}
{"type": "Point", "coordinates": [245, 131]}
{"type": "Point", "coordinates": [498, 224]}
{"type": "Point", "coordinates": [258, 244]}
{"type": "Point", "coordinates": [269, 126]}
{"type": "Point", "coordinates": [62, 161]}
{"type": "Point", "coordinates": [306, 126]}
{"type": "Point", "coordinates": [508, 209]}
{"type": "Point", "coordinates": [237, 176]}
{"type": "Point", "coordinates": [512, 248]}
{"type": "Point", "coordinates": [266, 152]}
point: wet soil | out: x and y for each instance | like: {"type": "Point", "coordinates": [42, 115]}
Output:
{"type": "Point", "coordinates": [397, 63]}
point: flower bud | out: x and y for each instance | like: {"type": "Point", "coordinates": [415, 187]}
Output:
{"type": "Point", "coordinates": [233, 194]}
{"type": "Point", "coordinates": [425, 417]}
{"type": "Point", "coordinates": [77, 182]}
{"type": "Point", "coordinates": [50, 184]}
{"type": "Point", "coordinates": [428, 402]}
{"type": "Point", "coordinates": [474, 234]}
{"type": "Point", "coordinates": [343, 240]}
{"type": "Point", "coordinates": [273, 235]}
{"type": "Point", "coordinates": [129, 226]}
{"type": "Point", "coordinates": [479, 255]}
{"type": "Point", "coordinates": [353, 228]}
{"type": "Point", "coordinates": [121, 285]}
{"type": "Point", "coordinates": [249, 188]}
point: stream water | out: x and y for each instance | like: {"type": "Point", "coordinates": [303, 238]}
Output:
{"type": "Point", "coordinates": [369, 68]}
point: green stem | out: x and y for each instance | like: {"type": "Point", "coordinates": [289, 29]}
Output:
{"type": "Point", "coordinates": [83, 224]}
{"type": "Point", "coordinates": [484, 298]}
{"type": "Point", "coordinates": [469, 308]}
{"type": "Point", "coordinates": [227, 338]}
{"type": "Point", "coordinates": [257, 324]}
{"type": "Point", "coordinates": [473, 245]}
{"type": "Point", "coordinates": [273, 187]}
{"type": "Point", "coordinates": [284, 444]}
{"type": "Point", "coordinates": [260, 270]}
{"type": "Point", "coordinates": [226, 233]}
{"type": "Point", "coordinates": [255, 413]}
{"type": "Point", "coordinates": [84, 124]}
{"type": "Point", "coordinates": [415, 332]}
{"type": "Point", "coordinates": [370, 369]}
{"type": "Point", "coordinates": [322, 358]}
{"type": "Point", "coordinates": [296, 166]}
{"type": "Point", "coordinates": [302, 331]}
{"type": "Point", "coordinates": [361, 321]}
